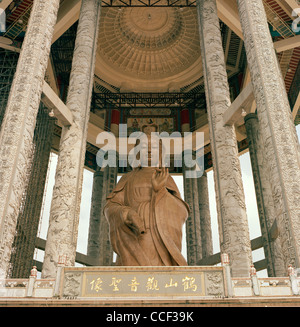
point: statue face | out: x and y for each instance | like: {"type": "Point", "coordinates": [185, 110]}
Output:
{"type": "Point", "coordinates": [149, 151]}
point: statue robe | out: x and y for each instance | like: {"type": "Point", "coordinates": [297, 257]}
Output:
{"type": "Point", "coordinates": [162, 216]}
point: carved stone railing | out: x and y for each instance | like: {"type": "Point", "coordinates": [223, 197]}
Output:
{"type": "Point", "coordinates": [280, 286]}
{"type": "Point", "coordinates": [21, 288]}
{"type": "Point", "coordinates": [269, 286]}
{"type": "Point", "coordinates": [31, 287]}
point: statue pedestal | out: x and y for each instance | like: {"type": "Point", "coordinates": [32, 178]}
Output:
{"type": "Point", "coordinates": [142, 282]}
{"type": "Point", "coordinates": [116, 287]}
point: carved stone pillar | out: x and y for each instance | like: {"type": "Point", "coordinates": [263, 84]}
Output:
{"type": "Point", "coordinates": [94, 239]}
{"type": "Point", "coordinates": [191, 196]}
{"type": "Point", "coordinates": [198, 224]}
{"type": "Point", "coordinates": [264, 198]}
{"type": "Point", "coordinates": [193, 230]}
{"type": "Point", "coordinates": [205, 219]}
{"type": "Point", "coordinates": [65, 207]}
{"type": "Point", "coordinates": [109, 183]}
{"type": "Point", "coordinates": [18, 125]}
{"type": "Point", "coordinates": [29, 215]}
{"type": "Point", "coordinates": [232, 216]}
{"type": "Point", "coordinates": [278, 133]}
{"type": "Point", "coordinates": [99, 246]}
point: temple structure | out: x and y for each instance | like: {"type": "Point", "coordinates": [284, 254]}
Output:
{"type": "Point", "coordinates": [71, 69]}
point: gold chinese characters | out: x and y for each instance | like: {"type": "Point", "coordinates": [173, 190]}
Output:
{"type": "Point", "coordinates": [185, 284]}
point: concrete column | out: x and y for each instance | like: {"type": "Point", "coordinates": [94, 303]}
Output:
{"type": "Point", "coordinates": [65, 207]}
{"type": "Point", "coordinates": [191, 196]}
{"type": "Point", "coordinates": [278, 133]}
{"type": "Point", "coordinates": [198, 225]}
{"type": "Point", "coordinates": [93, 248]}
{"type": "Point", "coordinates": [264, 198]}
{"type": "Point", "coordinates": [193, 229]}
{"type": "Point", "coordinates": [18, 125]}
{"type": "Point", "coordinates": [99, 246]}
{"type": "Point", "coordinates": [232, 217]}
{"type": "Point", "coordinates": [205, 219]}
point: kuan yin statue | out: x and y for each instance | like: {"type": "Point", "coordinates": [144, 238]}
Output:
{"type": "Point", "coordinates": [146, 214]}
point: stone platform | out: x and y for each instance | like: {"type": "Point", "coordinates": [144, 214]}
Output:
{"type": "Point", "coordinates": [210, 286]}
{"type": "Point", "coordinates": [290, 301]}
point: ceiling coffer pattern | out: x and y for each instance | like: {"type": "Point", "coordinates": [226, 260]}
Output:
{"type": "Point", "coordinates": [149, 43]}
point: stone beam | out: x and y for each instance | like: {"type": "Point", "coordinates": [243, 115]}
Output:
{"type": "Point", "coordinates": [9, 47]}
{"type": "Point", "coordinates": [234, 115]}
{"type": "Point", "coordinates": [228, 13]}
{"type": "Point", "coordinates": [53, 102]}
{"type": "Point", "coordinates": [80, 258]}
{"type": "Point", "coordinates": [287, 44]}
{"type": "Point", "coordinates": [5, 3]}
{"type": "Point", "coordinates": [50, 76]}
{"type": "Point", "coordinates": [283, 4]}
{"type": "Point", "coordinates": [8, 44]}
{"type": "Point", "coordinates": [216, 258]}
{"type": "Point", "coordinates": [246, 101]}
{"type": "Point", "coordinates": [293, 5]}
{"type": "Point", "coordinates": [68, 14]}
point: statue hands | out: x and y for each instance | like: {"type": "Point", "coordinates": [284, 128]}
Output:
{"type": "Point", "coordinates": [133, 221]}
{"type": "Point", "coordinates": [159, 178]}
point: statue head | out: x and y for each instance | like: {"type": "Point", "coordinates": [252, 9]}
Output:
{"type": "Point", "coordinates": [151, 151]}
{"type": "Point", "coordinates": [148, 148]}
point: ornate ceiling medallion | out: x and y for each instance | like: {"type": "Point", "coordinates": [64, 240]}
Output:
{"type": "Point", "coordinates": [149, 43]}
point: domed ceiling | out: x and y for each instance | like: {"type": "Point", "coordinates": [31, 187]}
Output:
{"type": "Point", "coordinates": [149, 49]}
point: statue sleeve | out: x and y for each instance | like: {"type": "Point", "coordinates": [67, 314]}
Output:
{"type": "Point", "coordinates": [118, 214]}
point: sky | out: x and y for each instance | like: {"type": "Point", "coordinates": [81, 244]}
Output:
{"type": "Point", "coordinates": [252, 213]}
